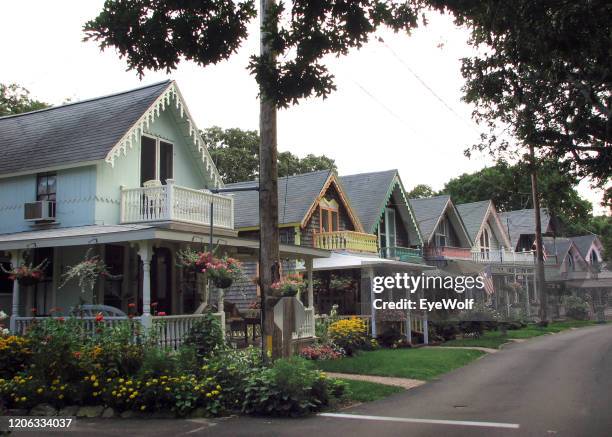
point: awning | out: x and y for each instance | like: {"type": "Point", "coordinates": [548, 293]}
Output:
{"type": "Point", "coordinates": [108, 234]}
{"type": "Point", "coordinates": [344, 260]}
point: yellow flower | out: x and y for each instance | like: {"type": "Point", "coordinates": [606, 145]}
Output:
{"type": "Point", "coordinates": [114, 392]}
{"type": "Point", "coordinates": [93, 377]}
{"type": "Point", "coordinates": [215, 392]}
{"type": "Point", "coordinates": [143, 408]}
{"type": "Point", "coordinates": [39, 391]}
{"type": "Point", "coordinates": [61, 396]}
{"type": "Point", "coordinates": [121, 380]}
{"type": "Point", "coordinates": [218, 387]}
{"type": "Point", "coordinates": [95, 384]}
{"type": "Point", "coordinates": [167, 389]}
{"type": "Point", "coordinates": [208, 395]}
{"type": "Point", "coordinates": [23, 399]}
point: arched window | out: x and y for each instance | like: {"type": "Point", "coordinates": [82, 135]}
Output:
{"type": "Point", "coordinates": [485, 242]}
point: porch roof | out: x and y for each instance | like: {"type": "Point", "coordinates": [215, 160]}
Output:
{"type": "Point", "coordinates": [107, 234]}
{"type": "Point", "coordinates": [342, 261]}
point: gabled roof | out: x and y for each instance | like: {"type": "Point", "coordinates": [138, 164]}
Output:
{"type": "Point", "coordinates": [522, 222]}
{"type": "Point", "coordinates": [369, 194]}
{"type": "Point", "coordinates": [71, 133]}
{"type": "Point", "coordinates": [584, 242]}
{"type": "Point", "coordinates": [429, 211]}
{"type": "Point", "coordinates": [560, 247]}
{"type": "Point", "coordinates": [93, 130]}
{"type": "Point", "coordinates": [297, 197]}
{"type": "Point", "coordinates": [474, 216]}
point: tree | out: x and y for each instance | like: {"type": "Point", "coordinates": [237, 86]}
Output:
{"type": "Point", "coordinates": [544, 71]}
{"type": "Point", "coordinates": [158, 34]}
{"type": "Point", "coordinates": [15, 99]}
{"type": "Point", "coordinates": [420, 191]}
{"type": "Point", "coordinates": [236, 155]}
{"type": "Point", "coordinates": [509, 186]}
{"type": "Point", "coordinates": [602, 226]}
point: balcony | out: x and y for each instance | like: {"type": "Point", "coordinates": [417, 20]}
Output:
{"type": "Point", "coordinates": [448, 252]}
{"type": "Point", "coordinates": [503, 256]}
{"type": "Point", "coordinates": [404, 254]}
{"type": "Point", "coordinates": [346, 240]}
{"type": "Point", "coordinates": [175, 203]}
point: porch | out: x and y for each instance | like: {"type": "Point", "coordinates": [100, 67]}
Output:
{"type": "Point", "coordinates": [504, 256]}
{"type": "Point", "coordinates": [447, 252]}
{"type": "Point", "coordinates": [143, 259]}
{"type": "Point", "coordinates": [346, 240]}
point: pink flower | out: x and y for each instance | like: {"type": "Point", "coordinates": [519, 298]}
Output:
{"type": "Point", "coordinates": [99, 317]}
{"type": "Point", "coordinates": [161, 313]}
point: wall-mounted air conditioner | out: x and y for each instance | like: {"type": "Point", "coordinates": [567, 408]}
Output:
{"type": "Point", "coordinates": [41, 211]}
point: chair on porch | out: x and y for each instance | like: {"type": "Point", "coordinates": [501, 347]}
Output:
{"type": "Point", "coordinates": [93, 310]}
{"type": "Point", "coordinates": [236, 327]}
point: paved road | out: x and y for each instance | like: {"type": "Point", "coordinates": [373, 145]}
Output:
{"type": "Point", "coordinates": [558, 385]}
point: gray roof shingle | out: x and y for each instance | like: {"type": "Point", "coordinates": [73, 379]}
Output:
{"type": "Point", "coordinates": [557, 246]}
{"type": "Point", "coordinates": [473, 215]}
{"type": "Point", "coordinates": [522, 221]}
{"type": "Point", "coordinates": [77, 132]}
{"type": "Point", "coordinates": [367, 195]}
{"type": "Point", "coordinates": [427, 211]}
{"type": "Point", "coordinates": [295, 195]}
{"type": "Point", "coordinates": [583, 243]}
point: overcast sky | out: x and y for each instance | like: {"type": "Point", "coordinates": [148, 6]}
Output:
{"type": "Point", "coordinates": [398, 103]}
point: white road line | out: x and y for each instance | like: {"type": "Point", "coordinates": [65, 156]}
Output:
{"type": "Point", "coordinates": [431, 421]}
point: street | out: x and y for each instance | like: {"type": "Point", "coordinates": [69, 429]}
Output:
{"type": "Point", "coordinates": [552, 385]}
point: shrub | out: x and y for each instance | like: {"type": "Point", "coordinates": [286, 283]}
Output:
{"type": "Point", "coordinates": [349, 334]}
{"type": "Point", "coordinates": [290, 388]}
{"type": "Point", "coordinates": [14, 355]}
{"type": "Point", "coordinates": [206, 336]}
{"type": "Point", "coordinates": [157, 362]}
{"type": "Point", "coordinates": [322, 352]}
{"type": "Point", "coordinates": [390, 337]}
{"type": "Point", "coordinates": [232, 370]}
{"type": "Point", "coordinates": [576, 308]}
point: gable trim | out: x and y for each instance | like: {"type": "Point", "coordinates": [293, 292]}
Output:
{"type": "Point", "coordinates": [164, 100]}
{"type": "Point", "coordinates": [332, 179]}
{"type": "Point", "coordinates": [492, 212]}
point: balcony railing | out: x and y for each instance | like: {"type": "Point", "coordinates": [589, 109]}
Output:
{"type": "Point", "coordinates": [405, 254]}
{"type": "Point", "coordinates": [175, 203]}
{"type": "Point", "coordinates": [448, 252]}
{"type": "Point", "coordinates": [346, 240]}
{"type": "Point", "coordinates": [503, 256]}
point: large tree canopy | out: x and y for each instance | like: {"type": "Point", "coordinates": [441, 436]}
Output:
{"type": "Point", "coordinates": [157, 34]}
{"type": "Point", "coordinates": [544, 69]}
{"type": "Point", "coordinates": [15, 99]}
{"type": "Point", "coordinates": [236, 155]}
{"type": "Point", "coordinates": [509, 186]}
{"type": "Point", "coordinates": [420, 191]}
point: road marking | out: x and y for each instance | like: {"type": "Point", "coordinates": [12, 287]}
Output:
{"type": "Point", "coordinates": [430, 421]}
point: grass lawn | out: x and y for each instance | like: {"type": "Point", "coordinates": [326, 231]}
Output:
{"type": "Point", "coordinates": [364, 391]}
{"type": "Point", "coordinates": [422, 364]}
{"type": "Point", "coordinates": [494, 339]}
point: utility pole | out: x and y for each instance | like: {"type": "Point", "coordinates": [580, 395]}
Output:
{"type": "Point", "coordinates": [268, 201]}
{"type": "Point", "coordinates": [540, 278]}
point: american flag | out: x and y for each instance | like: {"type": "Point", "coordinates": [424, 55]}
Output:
{"type": "Point", "coordinates": [487, 278]}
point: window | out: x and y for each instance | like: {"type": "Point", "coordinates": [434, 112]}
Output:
{"type": "Point", "coordinates": [46, 186]}
{"type": "Point", "coordinates": [329, 219]}
{"type": "Point", "coordinates": [485, 242]}
{"type": "Point", "coordinates": [442, 233]}
{"type": "Point", "coordinates": [156, 160]}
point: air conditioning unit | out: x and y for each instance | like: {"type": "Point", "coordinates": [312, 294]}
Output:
{"type": "Point", "coordinates": [41, 211]}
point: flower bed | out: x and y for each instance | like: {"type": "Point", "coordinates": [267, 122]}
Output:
{"type": "Point", "coordinates": [57, 366]}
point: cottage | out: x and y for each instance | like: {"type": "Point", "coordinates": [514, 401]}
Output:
{"type": "Point", "coordinates": [128, 178]}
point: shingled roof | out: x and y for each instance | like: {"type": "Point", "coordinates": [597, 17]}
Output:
{"type": "Point", "coordinates": [583, 243]}
{"type": "Point", "coordinates": [368, 194]}
{"type": "Point", "coordinates": [78, 132]}
{"type": "Point", "coordinates": [427, 212]}
{"type": "Point", "coordinates": [295, 196]}
{"type": "Point", "coordinates": [522, 222]}
{"type": "Point", "coordinates": [473, 214]}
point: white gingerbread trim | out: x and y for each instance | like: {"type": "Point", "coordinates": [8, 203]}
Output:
{"type": "Point", "coordinates": [172, 93]}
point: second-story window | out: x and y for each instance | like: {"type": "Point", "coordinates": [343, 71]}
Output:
{"type": "Point", "coordinates": [156, 160]}
{"type": "Point", "coordinates": [442, 233]}
{"type": "Point", "coordinates": [485, 241]}
{"type": "Point", "coordinates": [329, 219]}
{"type": "Point", "coordinates": [46, 186]}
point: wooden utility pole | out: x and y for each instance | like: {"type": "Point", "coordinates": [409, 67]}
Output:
{"type": "Point", "coordinates": [540, 278]}
{"type": "Point", "coordinates": [268, 202]}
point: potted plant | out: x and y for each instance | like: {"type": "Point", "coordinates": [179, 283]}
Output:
{"type": "Point", "coordinates": [187, 259]}
{"type": "Point", "coordinates": [27, 274]}
{"type": "Point", "coordinates": [87, 272]}
{"type": "Point", "coordinates": [289, 286]}
{"type": "Point", "coordinates": [221, 271]}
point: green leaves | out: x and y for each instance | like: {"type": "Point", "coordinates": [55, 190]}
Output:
{"type": "Point", "coordinates": [15, 99]}
{"type": "Point", "coordinates": [158, 34]}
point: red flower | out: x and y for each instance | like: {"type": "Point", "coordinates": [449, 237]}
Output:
{"type": "Point", "coordinates": [77, 354]}
{"type": "Point", "coordinates": [99, 317]}
{"type": "Point", "coordinates": [131, 305]}
{"type": "Point", "coordinates": [34, 311]}
{"type": "Point", "coordinates": [153, 304]}
{"type": "Point", "coordinates": [61, 319]}
{"type": "Point", "coordinates": [161, 313]}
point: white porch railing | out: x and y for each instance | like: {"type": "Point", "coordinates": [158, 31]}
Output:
{"type": "Point", "coordinates": [307, 329]}
{"type": "Point", "coordinates": [171, 202]}
{"type": "Point", "coordinates": [503, 256]}
{"type": "Point", "coordinates": [346, 240]}
{"type": "Point", "coordinates": [89, 323]}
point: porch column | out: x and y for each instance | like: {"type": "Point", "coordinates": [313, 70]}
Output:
{"type": "Point", "coordinates": [15, 255]}
{"type": "Point", "coordinates": [369, 271]}
{"type": "Point", "coordinates": [145, 251]}
{"type": "Point", "coordinates": [310, 286]}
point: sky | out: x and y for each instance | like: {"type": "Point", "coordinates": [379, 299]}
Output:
{"type": "Point", "coordinates": [397, 105]}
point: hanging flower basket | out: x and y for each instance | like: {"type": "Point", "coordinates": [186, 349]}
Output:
{"type": "Point", "coordinates": [27, 274]}
{"type": "Point", "coordinates": [188, 260]}
{"type": "Point", "coordinates": [223, 282]}
{"type": "Point", "coordinates": [87, 272]}
{"type": "Point", "coordinates": [289, 286]}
